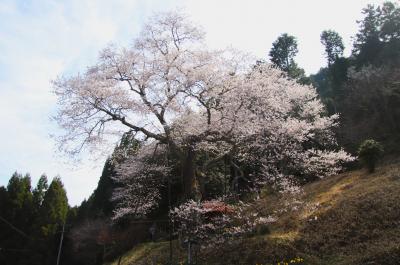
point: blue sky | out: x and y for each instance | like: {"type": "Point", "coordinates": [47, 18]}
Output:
{"type": "Point", "coordinates": [42, 39]}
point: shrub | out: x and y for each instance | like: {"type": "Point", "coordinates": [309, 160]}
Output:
{"type": "Point", "coordinates": [369, 152]}
{"type": "Point", "coordinates": [262, 229]}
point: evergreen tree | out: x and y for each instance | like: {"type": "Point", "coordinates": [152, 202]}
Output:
{"type": "Point", "coordinates": [3, 200]}
{"type": "Point", "coordinates": [389, 22]}
{"type": "Point", "coordinates": [378, 40]}
{"type": "Point", "coordinates": [100, 201]}
{"type": "Point", "coordinates": [17, 218]}
{"type": "Point", "coordinates": [369, 30]}
{"type": "Point", "coordinates": [52, 215]}
{"type": "Point", "coordinates": [283, 51]}
{"type": "Point", "coordinates": [39, 191]}
{"type": "Point", "coordinates": [21, 201]}
{"type": "Point", "coordinates": [54, 207]}
{"type": "Point", "coordinates": [334, 46]}
{"type": "Point", "coordinates": [282, 54]}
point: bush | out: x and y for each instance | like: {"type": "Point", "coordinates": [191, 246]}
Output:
{"type": "Point", "coordinates": [369, 152]}
{"type": "Point", "coordinates": [262, 229]}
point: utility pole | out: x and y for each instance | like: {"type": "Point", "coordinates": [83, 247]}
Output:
{"type": "Point", "coordinates": [60, 246]}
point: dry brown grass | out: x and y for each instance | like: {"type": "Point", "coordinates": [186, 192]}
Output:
{"type": "Point", "coordinates": [352, 218]}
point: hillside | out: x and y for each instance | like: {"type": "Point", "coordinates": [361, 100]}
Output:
{"type": "Point", "coordinates": [351, 218]}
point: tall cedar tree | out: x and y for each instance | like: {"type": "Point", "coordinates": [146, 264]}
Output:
{"type": "Point", "coordinates": [334, 46]}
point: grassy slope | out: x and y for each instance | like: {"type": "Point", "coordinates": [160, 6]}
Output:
{"type": "Point", "coordinates": [351, 218]}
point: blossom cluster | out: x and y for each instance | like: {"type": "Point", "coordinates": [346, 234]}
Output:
{"type": "Point", "coordinates": [210, 223]}
{"type": "Point", "coordinates": [140, 178]}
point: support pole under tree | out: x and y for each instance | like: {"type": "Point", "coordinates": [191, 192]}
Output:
{"type": "Point", "coordinates": [170, 223]}
{"type": "Point", "coordinates": [225, 158]}
{"type": "Point", "coordinates": [60, 246]}
{"type": "Point", "coordinates": [169, 208]}
{"type": "Point", "coordinates": [189, 252]}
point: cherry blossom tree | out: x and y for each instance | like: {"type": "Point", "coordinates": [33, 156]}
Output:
{"type": "Point", "coordinates": [166, 73]}
{"type": "Point", "coordinates": [181, 98]}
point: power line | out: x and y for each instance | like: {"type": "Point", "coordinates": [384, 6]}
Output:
{"type": "Point", "coordinates": [14, 228]}
{"type": "Point", "coordinates": [14, 250]}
